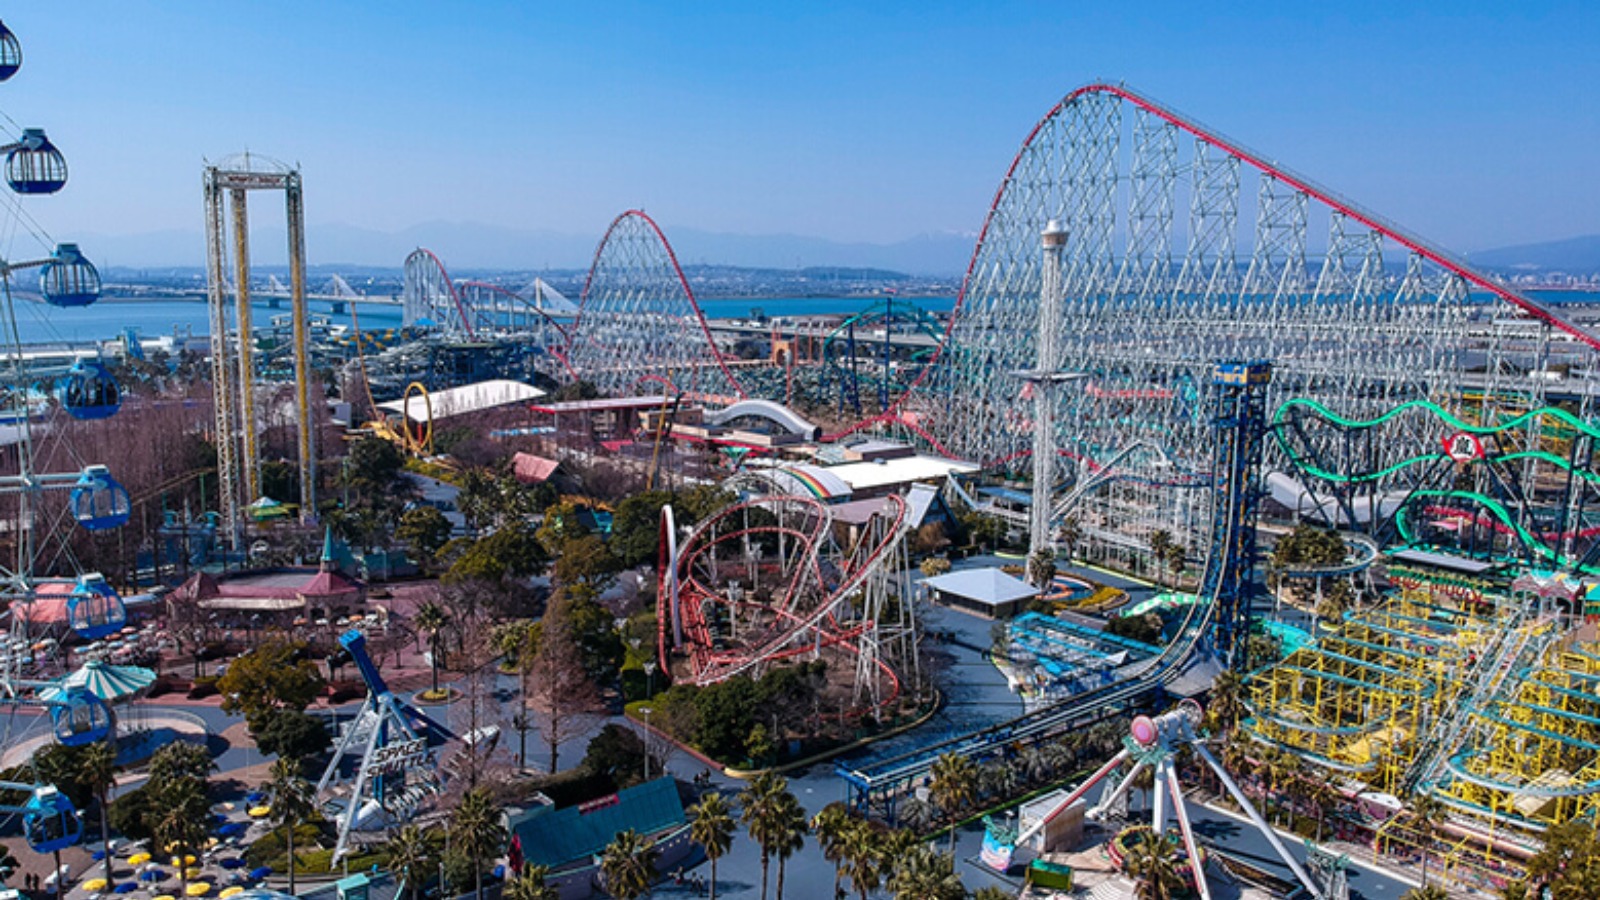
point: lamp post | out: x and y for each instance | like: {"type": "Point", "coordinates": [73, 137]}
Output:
{"type": "Point", "coordinates": [645, 737]}
{"type": "Point", "coordinates": [650, 678]}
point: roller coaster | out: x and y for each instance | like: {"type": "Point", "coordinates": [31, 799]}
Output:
{"type": "Point", "coordinates": [1212, 628]}
{"type": "Point", "coordinates": [771, 578]}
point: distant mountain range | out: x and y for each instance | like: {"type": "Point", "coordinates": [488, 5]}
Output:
{"type": "Point", "coordinates": [469, 245]}
{"type": "Point", "coordinates": [1576, 256]}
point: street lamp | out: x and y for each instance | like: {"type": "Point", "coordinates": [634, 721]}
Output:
{"type": "Point", "coordinates": [650, 678]}
{"type": "Point", "coordinates": [645, 711]}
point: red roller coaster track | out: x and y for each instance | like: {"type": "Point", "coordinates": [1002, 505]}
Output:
{"type": "Point", "coordinates": [683, 282]}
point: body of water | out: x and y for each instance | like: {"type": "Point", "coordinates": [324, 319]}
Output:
{"type": "Point", "coordinates": [41, 323]}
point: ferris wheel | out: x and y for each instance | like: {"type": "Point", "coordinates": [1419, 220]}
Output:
{"type": "Point", "coordinates": [48, 604]}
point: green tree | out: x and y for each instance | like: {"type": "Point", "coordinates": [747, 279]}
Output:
{"type": "Point", "coordinates": [990, 892]}
{"type": "Point", "coordinates": [292, 734]}
{"type": "Point", "coordinates": [759, 745]}
{"type": "Point", "coordinates": [628, 865]}
{"type": "Point", "coordinates": [290, 798]}
{"type": "Point", "coordinates": [272, 677]}
{"type": "Point", "coordinates": [1426, 892]}
{"type": "Point", "coordinates": [477, 833]}
{"type": "Point", "coordinates": [925, 874]}
{"type": "Point", "coordinates": [725, 711]}
{"type": "Point", "coordinates": [636, 528]}
{"type": "Point", "coordinates": [97, 769]}
{"type": "Point", "coordinates": [510, 551]}
{"type": "Point", "coordinates": [1153, 865]}
{"type": "Point", "coordinates": [431, 620]}
{"type": "Point", "coordinates": [530, 885]}
{"type": "Point", "coordinates": [954, 787]}
{"type": "Point", "coordinates": [711, 826]}
{"type": "Point", "coordinates": [934, 566]}
{"type": "Point", "coordinates": [424, 529]}
{"type": "Point", "coordinates": [584, 559]}
{"type": "Point", "coordinates": [1428, 811]}
{"type": "Point", "coordinates": [413, 854]}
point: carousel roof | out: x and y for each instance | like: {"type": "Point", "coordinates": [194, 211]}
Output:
{"type": "Point", "coordinates": [104, 681]}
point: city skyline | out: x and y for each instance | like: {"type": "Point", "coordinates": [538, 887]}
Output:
{"type": "Point", "coordinates": [1468, 125]}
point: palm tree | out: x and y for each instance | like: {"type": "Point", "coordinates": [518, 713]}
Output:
{"type": "Point", "coordinates": [1069, 536]}
{"type": "Point", "coordinates": [1160, 541]}
{"type": "Point", "coordinates": [1226, 704]}
{"type": "Point", "coordinates": [712, 827]}
{"type": "Point", "coordinates": [530, 885]}
{"type": "Point", "coordinates": [431, 618]}
{"type": "Point", "coordinates": [1429, 811]}
{"type": "Point", "coordinates": [991, 892]}
{"type": "Point", "coordinates": [1153, 863]}
{"type": "Point", "coordinates": [1426, 892]}
{"type": "Point", "coordinates": [925, 874]}
{"type": "Point", "coordinates": [788, 833]}
{"type": "Point", "coordinates": [628, 865]}
{"type": "Point", "coordinates": [412, 853]}
{"type": "Point", "coordinates": [763, 816]}
{"type": "Point", "coordinates": [831, 825]}
{"type": "Point", "coordinates": [863, 856]}
{"type": "Point", "coordinates": [291, 798]}
{"type": "Point", "coordinates": [182, 823]}
{"type": "Point", "coordinates": [476, 832]}
{"type": "Point", "coordinates": [915, 814]}
{"type": "Point", "coordinates": [954, 787]}
{"type": "Point", "coordinates": [97, 770]}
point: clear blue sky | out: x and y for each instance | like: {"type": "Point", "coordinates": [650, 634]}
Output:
{"type": "Point", "coordinates": [1475, 124]}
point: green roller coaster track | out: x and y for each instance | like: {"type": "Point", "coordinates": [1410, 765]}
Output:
{"type": "Point", "coordinates": [1443, 415]}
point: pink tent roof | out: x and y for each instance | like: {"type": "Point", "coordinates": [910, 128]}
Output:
{"type": "Point", "coordinates": [328, 584]}
{"type": "Point", "coordinates": [530, 469]}
{"type": "Point", "coordinates": [49, 606]}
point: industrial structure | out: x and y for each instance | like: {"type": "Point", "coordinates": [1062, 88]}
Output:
{"type": "Point", "coordinates": [238, 466]}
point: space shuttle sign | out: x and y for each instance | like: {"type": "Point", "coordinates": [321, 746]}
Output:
{"type": "Point", "coordinates": [397, 757]}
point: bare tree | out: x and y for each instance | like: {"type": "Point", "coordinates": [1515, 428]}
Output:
{"type": "Point", "coordinates": [556, 689]}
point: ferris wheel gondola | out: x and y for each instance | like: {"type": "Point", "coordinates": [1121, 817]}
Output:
{"type": "Point", "coordinates": [94, 609]}
{"type": "Point", "coordinates": [89, 391]}
{"type": "Point", "coordinates": [34, 165]}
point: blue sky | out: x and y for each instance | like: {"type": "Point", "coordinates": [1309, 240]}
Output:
{"type": "Point", "coordinates": [1474, 124]}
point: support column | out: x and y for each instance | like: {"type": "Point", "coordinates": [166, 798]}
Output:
{"type": "Point", "coordinates": [1048, 364]}
{"type": "Point", "coordinates": [249, 463]}
{"type": "Point", "coordinates": [294, 201]}
{"type": "Point", "coordinates": [221, 377]}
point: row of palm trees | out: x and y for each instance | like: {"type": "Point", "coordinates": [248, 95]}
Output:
{"type": "Point", "coordinates": [865, 854]}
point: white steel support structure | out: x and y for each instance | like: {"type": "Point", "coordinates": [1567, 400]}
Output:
{"type": "Point", "coordinates": [1182, 247]}
{"type": "Point", "coordinates": [238, 467]}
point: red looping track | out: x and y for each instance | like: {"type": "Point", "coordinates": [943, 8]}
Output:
{"type": "Point", "coordinates": [1298, 182]}
{"type": "Point", "coordinates": [805, 597]}
{"type": "Point", "coordinates": [683, 282]}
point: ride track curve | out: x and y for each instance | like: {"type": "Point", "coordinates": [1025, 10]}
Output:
{"type": "Point", "coordinates": [428, 287]}
{"type": "Point", "coordinates": [1455, 503]}
{"type": "Point", "coordinates": [613, 302]}
{"type": "Point", "coordinates": [807, 597]}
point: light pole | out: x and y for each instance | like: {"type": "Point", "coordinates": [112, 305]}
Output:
{"type": "Point", "coordinates": [645, 711]}
{"type": "Point", "coordinates": [650, 678]}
